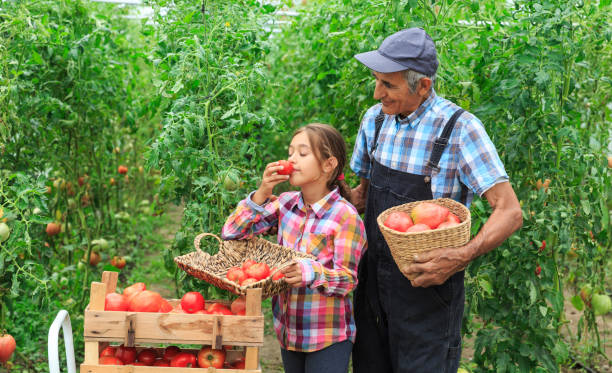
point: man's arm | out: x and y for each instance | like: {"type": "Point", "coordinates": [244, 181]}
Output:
{"type": "Point", "coordinates": [359, 195]}
{"type": "Point", "coordinates": [436, 266]}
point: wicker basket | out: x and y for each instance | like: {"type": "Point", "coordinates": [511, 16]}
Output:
{"type": "Point", "coordinates": [404, 245]}
{"type": "Point", "coordinates": [232, 253]}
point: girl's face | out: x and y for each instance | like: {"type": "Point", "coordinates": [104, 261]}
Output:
{"type": "Point", "coordinates": [306, 167]}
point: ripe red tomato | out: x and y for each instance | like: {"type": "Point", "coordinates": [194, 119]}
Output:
{"type": "Point", "coordinates": [207, 357]}
{"type": "Point", "coordinates": [238, 364]}
{"type": "Point", "coordinates": [277, 276]}
{"type": "Point", "coordinates": [184, 359]}
{"type": "Point", "coordinates": [126, 354]}
{"type": "Point", "coordinates": [215, 307]}
{"type": "Point", "coordinates": [239, 304]}
{"type": "Point", "coordinates": [248, 281]}
{"type": "Point", "coordinates": [122, 170]}
{"type": "Point", "coordinates": [399, 221]}
{"type": "Point", "coordinates": [147, 356]}
{"type": "Point", "coordinates": [287, 167]}
{"type": "Point", "coordinates": [192, 302]}
{"type": "Point", "coordinates": [7, 346]}
{"type": "Point", "coordinates": [110, 360]}
{"type": "Point", "coordinates": [236, 275]}
{"type": "Point", "coordinates": [258, 271]}
{"type": "Point", "coordinates": [145, 301]}
{"type": "Point", "coordinates": [115, 302]}
{"type": "Point", "coordinates": [161, 363]}
{"type": "Point", "coordinates": [133, 289]}
{"type": "Point", "coordinates": [170, 352]}
{"type": "Point", "coordinates": [165, 306]}
{"type": "Point", "coordinates": [221, 311]}
{"type": "Point", "coordinates": [108, 351]}
{"type": "Point", "coordinates": [247, 263]}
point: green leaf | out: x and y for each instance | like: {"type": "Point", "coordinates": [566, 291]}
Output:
{"type": "Point", "coordinates": [577, 302]}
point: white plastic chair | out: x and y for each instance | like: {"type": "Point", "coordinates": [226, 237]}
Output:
{"type": "Point", "coordinates": [61, 320]}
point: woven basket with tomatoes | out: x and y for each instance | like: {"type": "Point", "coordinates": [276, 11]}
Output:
{"type": "Point", "coordinates": [241, 264]}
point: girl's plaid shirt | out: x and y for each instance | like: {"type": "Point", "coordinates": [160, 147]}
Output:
{"type": "Point", "coordinates": [320, 313]}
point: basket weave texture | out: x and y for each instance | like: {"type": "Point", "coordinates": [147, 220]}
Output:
{"type": "Point", "coordinates": [404, 245]}
{"type": "Point", "coordinates": [232, 253]}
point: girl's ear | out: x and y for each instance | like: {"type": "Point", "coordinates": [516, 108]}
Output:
{"type": "Point", "coordinates": [330, 164]}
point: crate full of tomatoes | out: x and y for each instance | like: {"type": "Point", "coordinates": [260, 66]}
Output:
{"type": "Point", "coordinates": [137, 330]}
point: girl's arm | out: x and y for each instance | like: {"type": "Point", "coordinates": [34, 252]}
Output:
{"type": "Point", "coordinates": [349, 245]}
{"type": "Point", "coordinates": [249, 219]}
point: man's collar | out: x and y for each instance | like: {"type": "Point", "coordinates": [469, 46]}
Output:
{"type": "Point", "coordinates": [412, 117]}
{"type": "Point", "coordinates": [321, 207]}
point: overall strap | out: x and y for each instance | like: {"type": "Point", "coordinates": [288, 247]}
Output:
{"type": "Point", "coordinates": [441, 142]}
{"type": "Point", "coordinates": [378, 122]}
{"type": "Point", "coordinates": [439, 146]}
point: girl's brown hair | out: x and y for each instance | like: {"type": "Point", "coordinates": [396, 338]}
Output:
{"type": "Point", "coordinates": [328, 142]}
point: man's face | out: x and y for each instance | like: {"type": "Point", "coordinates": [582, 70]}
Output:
{"type": "Point", "coordinates": [395, 95]}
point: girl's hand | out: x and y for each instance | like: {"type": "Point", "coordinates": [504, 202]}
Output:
{"type": "Point", "coordinates": [293, 275]}
{"type": "Point", "coordinates": [269, 180]}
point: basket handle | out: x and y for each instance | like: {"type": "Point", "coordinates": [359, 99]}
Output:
{"type": "Point", "coordinates": [196, 242]}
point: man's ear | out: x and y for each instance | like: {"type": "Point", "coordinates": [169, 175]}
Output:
{"type": "Point", "coordinates": [424, 86]}
{"type": "Point", "coordinates": [330, 164]}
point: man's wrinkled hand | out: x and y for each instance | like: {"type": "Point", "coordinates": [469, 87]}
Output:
{"type": "Point", "coordinates": [435, 267]}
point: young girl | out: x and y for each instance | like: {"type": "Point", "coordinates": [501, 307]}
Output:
{"type": "Point", "coordinates": [314, 320]}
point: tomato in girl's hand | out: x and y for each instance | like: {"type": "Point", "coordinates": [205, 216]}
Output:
{"type": "Point", "coordinates": [287, 167]}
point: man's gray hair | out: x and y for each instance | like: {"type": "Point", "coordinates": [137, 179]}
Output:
{"type": "Point", "coordinates": [413, 78]}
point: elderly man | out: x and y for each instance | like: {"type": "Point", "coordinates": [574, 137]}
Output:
{"type": "Point", "coordinates": [416, 145]}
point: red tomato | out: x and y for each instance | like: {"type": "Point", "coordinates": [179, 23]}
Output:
{"type": "Point", "coordinates": [147, 356]}
{"type": "Point", "coordinates": [192, 302]}
{"type": "Point", "coordinates": [108, 351]}
{"type": "Point", "coordinates": [248, 281]}
{"type": "Point", "coordinates": [161, 363]}
{"type": "Point", "coordinates": [170, 352]}
{"type": "Point", "coordinates": [207, 357]}
{"type": "Point", "coordinates": [165, 306]}
{"type": "Point", "coordinates": [258, 271]}
{"type": "Point", "coordinates": [184, 359]}
{"type": "Point", "coordinates": [287, 167]}
{"type": "Point", "coordinates": [133, 289]}
{"type": "Point", "coordinates": [399, 221]}
{"type": "Point", "coordinates": [115, 302]}
{"type": "Point", "coordinates": [7, 346]}
{"type": "Point", "coordinates": [215, 307]}
{"type": "Point", "coordinates": [118, 261]}
{"type": "Point", "coordinates": [239, 304]}
{"type": "Point", "coordinates": [126, 354]}
{"type": "Point", "coordinates": [236, 275]}
{"type": "Point", "coordinates": [140, 363]}
{"type": "Point", "coordinates": [239, 364]}
{"type": "Point", "coordinates": [122, 170]}
{"type": "Point", "coordinates": [241, 313]}
{"type": "Point", "coordinates": [146, 301]}
{"type": "Point", "coordinates": [221, 311]}
{"type": "Point", "coordinates": [277, 276]}
{"type": "Point", "coordinates": [247, 263]}
{"type": "Point", "coordinates": [110, 360]}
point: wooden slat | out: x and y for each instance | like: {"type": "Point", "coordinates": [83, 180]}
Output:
{"type": "Point", "coordinates": [110, 279]}
{"type": "Point", "coordinates": [92, 368]}
{"type": "Point", "coordinates": [217, 337]}
{"type": "Point", "coordinates": [253, 307]}
{"type": "Point", "coordinates": [97, 296]}
{"type": "Point", "coordinates": [109, 326]}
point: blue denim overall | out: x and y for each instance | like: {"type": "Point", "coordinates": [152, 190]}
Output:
{"type": "Point", "coordinates": [401, 328]}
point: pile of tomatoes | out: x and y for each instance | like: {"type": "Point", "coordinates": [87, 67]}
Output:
{"type": "Point", "coordinates": [251, 272]}
{"type": "Point", "coordinates": [135, 298]}
{"type": "Point", "coordinates": [171, 356]}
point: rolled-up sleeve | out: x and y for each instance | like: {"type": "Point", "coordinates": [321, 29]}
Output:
{"type": "Point", "coordinates": [480, 167]}
{"type": "Point", "coordinates": [249, 219]}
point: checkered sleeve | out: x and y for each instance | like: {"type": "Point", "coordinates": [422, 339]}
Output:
{"type": "Point", "coordinates": [249, 219]}
{"type": "Point", "coordinates": [480, 167]}
{"type": "Point", "coordinates": [349, 245]}
{"type": "Point", "coordinates": [360, 159]}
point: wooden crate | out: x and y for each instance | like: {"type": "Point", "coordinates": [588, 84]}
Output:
{"type": "Point", "coordinates": [137, 328]}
